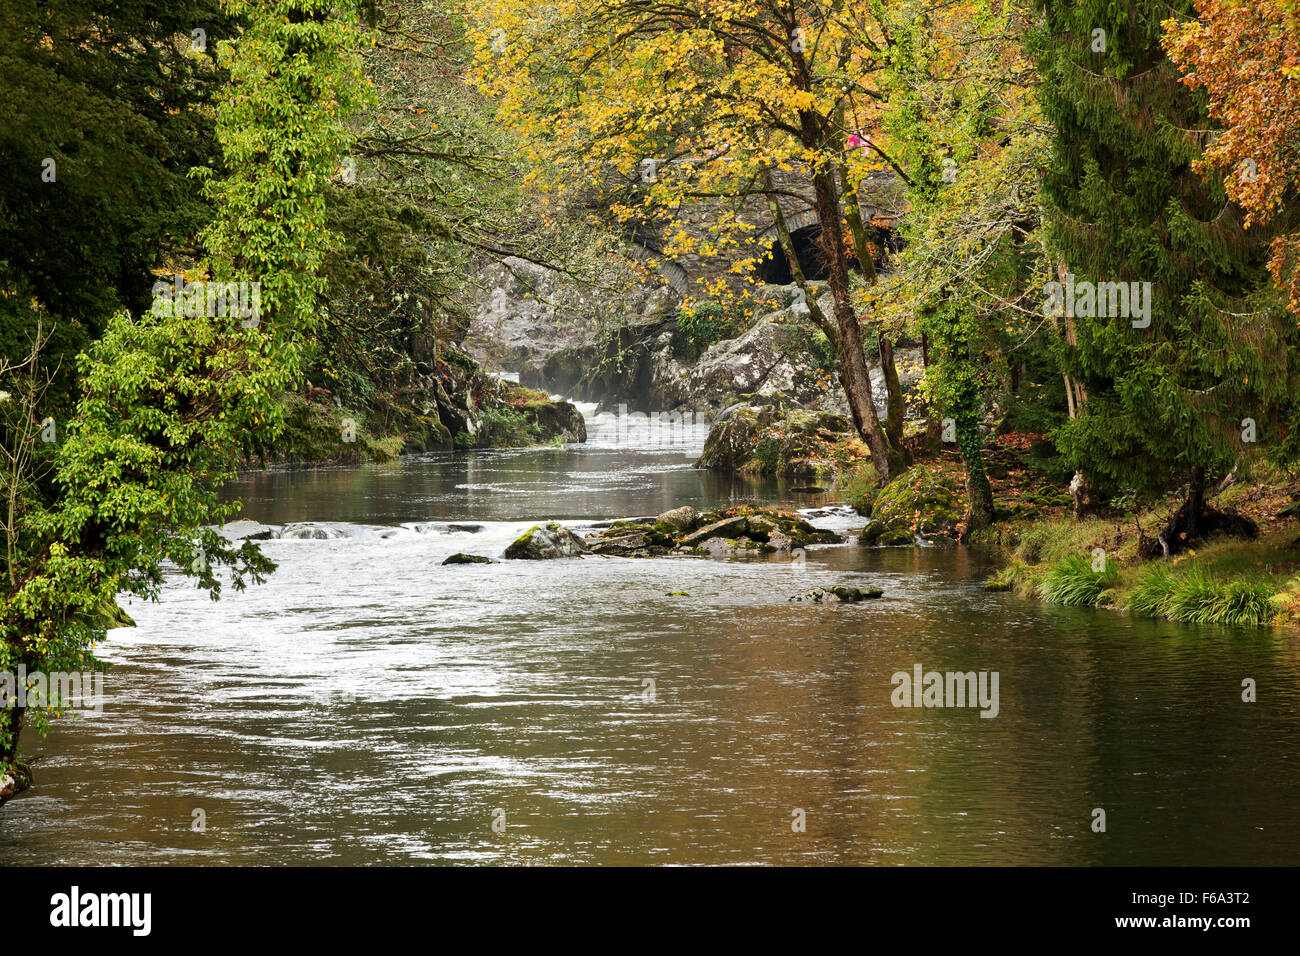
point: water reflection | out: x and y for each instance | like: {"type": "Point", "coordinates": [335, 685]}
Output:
{"type": "Point", "coordinates": [369, 705]}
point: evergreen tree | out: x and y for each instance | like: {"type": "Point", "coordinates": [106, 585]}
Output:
{"type": "Point", "coordinates": [1172, 391]}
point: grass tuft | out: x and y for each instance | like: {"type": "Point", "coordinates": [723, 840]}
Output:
{"type": "Point", "coordinates": [1073, 582]}
{"type": "Point", "coordinates": [1195, 596]}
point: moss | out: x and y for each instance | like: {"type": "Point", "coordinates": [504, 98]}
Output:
{"type": "Point", "coordinates": [925, 500]}
{"type": "Point", "coordinates": [520, 397]}
{"type": "Point", "coordinates": [526, 538]}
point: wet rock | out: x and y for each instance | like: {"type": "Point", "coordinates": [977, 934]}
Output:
{"type": "Point", "coordinates": [731, 547]}
{"type": "Point", "coordinates": [247, 530]}
{"type": "Point", "coordinates": [461, 558]}
{"type": "Point", "coordinates": [307, 530]}
{"type": "Point", "coordinates": [779, 542]}
{"type": "Point", "coordinates": [550, 540]}
{"type": "Point", "coordinates": [470, 528]}
{"type": "Point", "coordinates": [618, 545]}
{"type": "Point", "coordinates": [682, 518]}
{"type": "Point", "coordinates": [735, 526]}
{"type": "Point", "coordinates": [838, 592]}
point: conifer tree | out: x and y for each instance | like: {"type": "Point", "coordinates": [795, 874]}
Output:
{"type": "Point", "coordinates": [1178, 385]}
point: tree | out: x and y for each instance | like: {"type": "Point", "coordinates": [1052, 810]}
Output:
{"type": "Point", "coordinates": [1255, 93]}
{"type": "Point", "coordinates": [964, 122]}
{"type": "Point", "coordinates": [167, 398]}
{"type": "Point", "coordinates": [107, 107]}
{"type": "Point", "coordinates": [1176, 381]}
{"type": "Point", "coordinates": [665, 104]}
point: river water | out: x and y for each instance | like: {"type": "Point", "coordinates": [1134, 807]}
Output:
{"type": "Point", "coordinates": [370, 706]}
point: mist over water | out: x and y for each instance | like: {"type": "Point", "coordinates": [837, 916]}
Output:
{"type": "Point", "coordinates": [369, 705]}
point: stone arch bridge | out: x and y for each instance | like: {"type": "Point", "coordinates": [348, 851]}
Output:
{"type": "Point", "coordinates": [880, 200]}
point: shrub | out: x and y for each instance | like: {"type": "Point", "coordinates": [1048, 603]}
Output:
{"type": "Point", "coordinates": [1153, 592]}
{"type": "Point", "coordinates": [700, 326]}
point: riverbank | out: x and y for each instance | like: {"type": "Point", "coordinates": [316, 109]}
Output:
{"type": "Point", "coordinates": [1050, 556]}
{"type": "Point", "coordinates": [476, 413]}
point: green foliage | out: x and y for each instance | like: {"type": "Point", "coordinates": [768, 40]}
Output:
{"type": "Point", "coordinates": [505, 426]}
{"type": "Point", "coordinates": [1193, 595]}
{"type": "Point", "coordinates": [1072, 581]}
{"type": "Point", "coordinates": [768, 454]}
{"type": "Point", "coordinates": [164, 404]}
{"type": "Point", "coordinates": [810, 347]}
{"type": "Point", "coordinates": [1123, 204]}
{"type": "Point", "coordinates": [703, 324]}
{"type": "Point", "coordinates": [115, 97]}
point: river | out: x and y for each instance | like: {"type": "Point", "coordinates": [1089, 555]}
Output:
{"type": "Point", "coordinates": [368, 705]}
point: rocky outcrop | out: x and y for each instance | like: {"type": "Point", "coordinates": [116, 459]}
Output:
{"type": "Point", "coordinates": [764, 440]}
{"type": "Point", "coordinates": [558, 420]}
{"type": "Point", "coordinates": [551, 540]}
{"type": "Point", "coordinates": [769, 359]}
{"type": "Point", "coordinates": [558, 334]}
{"type": "Point", "coordinates": [717, 534]}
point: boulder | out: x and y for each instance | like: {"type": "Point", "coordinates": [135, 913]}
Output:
{"type": "Point", "coordinates": [757, 362]}
{"type": "Point", "coordinates": [730, 547]}
{"type": "Point", "coordinates": [683, 518]}
{"type": "Point", "coordinates": [559, 420]}
{"type": "Point", "coordinates": [732, 527]}
{"type": "Point", "coordinates": [550, 540]}
{"type": "Point", "coordinates": [618, 545]}
{"type": "Point", "coordinates": [764, 440]}
{"type": "Point", "coordinates": [247, 530]}
{"type": "Point", "coordinates": [461, 558]}
{"type": "Point", "coordinates": [925, 500]}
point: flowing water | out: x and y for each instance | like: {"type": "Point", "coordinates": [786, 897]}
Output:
{"type": "Point", "coordinates": [370, 706]}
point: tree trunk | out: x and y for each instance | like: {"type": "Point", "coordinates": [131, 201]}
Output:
{"type": "Point", "coordinates": [854, 375]}
{"type": "Point", "coordinates": [895, 408]}
{"type": "Point", "coordinates": [979, 493]}
{"type": "Point", "coordinates": [933, 426]}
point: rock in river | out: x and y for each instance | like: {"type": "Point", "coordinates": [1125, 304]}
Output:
{"type": "Point", "coordinates": [683, 518]}
{"type": "Point", "coordinates": [550, 540]}
{"type": "Point", "coordinates": [461, 557]}
{"type": "Point", "coordinates": [837, 592]}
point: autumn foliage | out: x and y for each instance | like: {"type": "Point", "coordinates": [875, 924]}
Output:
{"type": "Point", "coordinates": [1245, 54]}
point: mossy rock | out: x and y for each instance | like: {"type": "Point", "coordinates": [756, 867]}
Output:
{"type": "Point", "coordinates": [461, 557]}
{"type": "Point", "coordinates": [550, 540]}
{"type": "Point", "coordinates": [924, 500]}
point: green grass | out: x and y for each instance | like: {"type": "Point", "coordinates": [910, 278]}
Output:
{"type": "Point", "coordinates": [1195, 596]}
{"type": "Point", "coordinates": [1073, 582]}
